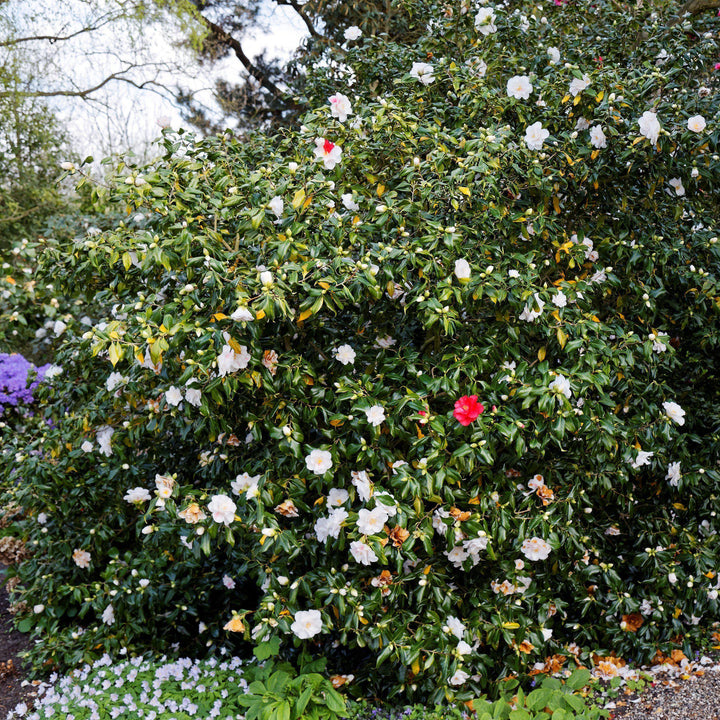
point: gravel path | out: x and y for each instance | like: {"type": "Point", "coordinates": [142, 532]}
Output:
{"type": "Point", "coordinates": [697, 698]}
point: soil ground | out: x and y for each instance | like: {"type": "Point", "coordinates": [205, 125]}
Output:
{"type": "Point", "coordinates": [12, 643]}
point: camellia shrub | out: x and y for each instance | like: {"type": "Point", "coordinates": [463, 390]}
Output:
{"type": "Point", "coordinates": [426, 386]}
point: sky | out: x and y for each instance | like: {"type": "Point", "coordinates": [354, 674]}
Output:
{"type": "Point", "coordinates": [120, 115]}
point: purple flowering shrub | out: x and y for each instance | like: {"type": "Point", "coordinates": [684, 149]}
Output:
{"type": "Point", "coordinates": [19, 379]}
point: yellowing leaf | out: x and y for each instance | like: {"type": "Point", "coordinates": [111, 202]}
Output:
{"type": "Point", "coordinates": [593, 156]}
{"type": "Point", "coordinates": [561, 337]}
{"type": "Point", "coordinates": [216, 316]}
{"type": "Point", "coordinates": [115, 352]}
{"type": "Point", "coordinates": [577, 99]}
{"type": "Point", "coordinates": [380, 190]}
{"type": "Point", "coordinates": [600, 96]}
{"type": "Point", "coordinates": [324, 285]}
{"type": "Point", "coordinates": [565, 99]}
{"type": "Point", "coordinates": [464, 191]}
{"type": "Point", "coordinates": [416, 666]}
{"type": "Point", "coordinates": [11, 280]}
{"type": "Point", "coordinates": [308, 380]}
{"type": "Point", "coordinates": [679, 506]}
{"type": "Point", "coordinates": [306, 204]}
{"type": "Point", "coordinates": [260, 314]}
{"type": "Point", "coordinates": [298, 198]}
{"type": "Point", "coordinates": [304, 315]}
{"type": "Point", "coordinates": [363, 620]}
{"type": "Point", "coordinates": [474, 500]}
{"type": "Point", "coordinates": [511, 625]}
{"type": "Point", "coordinates": [541, 354]}
{"type": "Point", "coordinates": [162, 329]}
{"type": "Point", "coordinates": [337, 423]}
{"type": "Point", "coordinates": [556, 204]}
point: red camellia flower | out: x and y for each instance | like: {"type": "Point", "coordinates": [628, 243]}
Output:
{"type": "Point", "coordinates": [467, 409]}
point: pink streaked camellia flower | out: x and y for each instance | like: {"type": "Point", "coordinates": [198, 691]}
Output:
{"type": "Point", "coordinates": [327, 152]}
{"type": "Point", "coordinates": [467, 409]}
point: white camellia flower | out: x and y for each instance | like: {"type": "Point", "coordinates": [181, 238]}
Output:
{"type": "Point", "coordinates": [578, 85]}
{"type": "Point", "coordinates": [696, 123]}
{"type": "Point", "coordinates": [81, 558]}
{"type": "Point", "coordinates": [266, 278]}
{"type": "Point", "coordinates": [676, 184]}
{"type": "Point", "coordinates": [242, 314]}
{"type": "Point", "coordinates": [362, 553]}
{"type": "Point", "coordinates": [87, 446]}
{"type": "Point", "coordinates": [245, 483]}
{"type": "Point", "coordinates": [340, 106]}
{"type": "Point", "coordinates": [277, 205]}
{"type": "Point", "coordinates": [349, 203]}
{"type": "Point", "coordinates": [535, 136]}
{"type": "Point", "coordinates": [114, 379]}
{"type": "Point", "coordinates": [59, 327]}
{"type": "Point", "coordinates": [673, 474]}
{"type": "Point", "coordinates": [108, 616]}
{"type": "Point", "coordinates": [337, 497]}
{"type": "Point", "coordinates": [643, 458]}
{"type": "Point", "coordinates": [371, 522]}
{"type": "Point", "coordinates": [319, 461]}
{"type": "Point", "coordinates": [561, 386]}
{"type": "Point", "coordinates": [193, 395]}
{"type": "Point", "coordinates": [230, 361]}
{"type": "Point", "coordinates": [535, 548]}
{"type": "Point", "coordinates": [455, 627]}
{"type": "Point", "coordinates": [649, 126]}
{"type": "Point", "coordinates": [559, 299]}
{"type": "Point", "coordinates": [327, 152]}
{"type": "Point", "coordinates": [307, 624]}
{"type": "Point", "coordinates": [463, 648]}
{"type": "Point", "coordinates": [458, 678]}
{"type": "Point", "coordinates": [222, 509]}
{"type": "Point", "coordinates": [485, 21]}
{"type": "Point", "coordinates": [597, 137]}
{"type": "Point", "coordinates": [674, 412]}
{"type": "Point", "coordinates": [462, 270]}
{"type": "Point", "coordinates": [553, 55]}
{"type": "Point", "coordinates": [456, 556]}
{"type": "Point", "coordinates": [375, 415]}
{"type": "Point", "coordinates": [345, 354]}
{"type": "Point", "coordinates": [529, 314]}
{"type": "Point", "coordinates": [423, 72]}
{"type": "Point", "coordinates": [672, 578]}
{"type": "Point", "coordinates": [362, 483]}
{"type": "Point", "coordinates": [173, 396]}
{"type": "Point", "coordinates": [330, 526]}
{"type": "Point", "coordinates": [519, 87]}
{"type": "Point", "coordinates": [352, 33]}
{"type": "Point", "coordinates": [104, 437]}
{"type": "Point", "coordinates": [137, 494]}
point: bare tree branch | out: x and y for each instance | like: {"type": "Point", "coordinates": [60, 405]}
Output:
{"type": "Point", "coordinates": [298, 9]}
{"type": "Point", "coordinates": [226, 39]}
{"type": "Point", "coordinates": [102, 21]}
{"type": "Point", "coordinates": [695, 7]}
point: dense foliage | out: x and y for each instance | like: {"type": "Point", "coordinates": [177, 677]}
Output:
{"type": "Point", "coordinates": [427, 386]}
